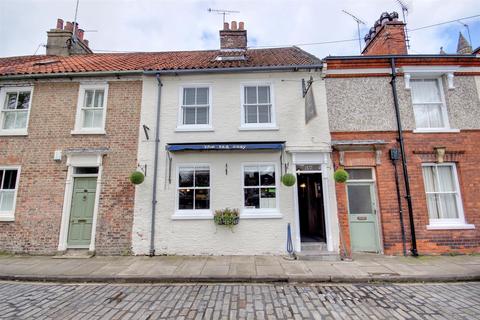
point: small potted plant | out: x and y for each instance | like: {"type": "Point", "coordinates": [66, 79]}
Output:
{"type": "Point", "coordinates": [226, 217]}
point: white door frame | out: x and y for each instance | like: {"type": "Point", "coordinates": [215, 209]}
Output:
{"type": "Point", "coordinates": [321, 158]}
{"type": "Point", "coordinates": [75, 160]}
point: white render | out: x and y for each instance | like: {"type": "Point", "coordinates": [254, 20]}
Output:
{"type": "Point", "coordinates": [263, 235]}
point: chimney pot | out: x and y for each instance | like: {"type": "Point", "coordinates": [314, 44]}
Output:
{"type": "Point", "coordinates": [241, 25]}
{"type": "Point", "coordinates": [59, 23]}
{"type": "Point", "coordinates": [80, 33]}
{"type": "Point", "coordinates": [85, 41]}
{"type": "Point", "coordinates": [69, 26]}
{"type": "Point", "coordinates": [226, 26]}
{"type": "Point", "coordinates": [234, 25]}
{"type": "Point", "coordinates": [387, 36]}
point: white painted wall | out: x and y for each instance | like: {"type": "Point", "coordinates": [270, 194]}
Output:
{"type": "Point", "coordinates": [251, 236]}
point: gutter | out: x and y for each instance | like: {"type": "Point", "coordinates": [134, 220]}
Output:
{"type": "Point", "coordinates": [155, 168]}
{"type": "Point", "coordinates": [404, 160]}
{"type": "Point", "coordinates": [72, 74]}
{"type": "Point", "coordinates": [407, 56]}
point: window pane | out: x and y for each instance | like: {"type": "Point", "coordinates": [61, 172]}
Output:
{"type": "Point", "coordinates": [189, 96]}
{"type": "Point", "coordinates": [435, 116]}
{"type": "Point", "coordinates": [252, 198]}
{"type": "Point", "coordinates": [264, 94]}
{"type": "Point", "coordinates": [448, 205]}
{"type": "Point", "coordinates": [429, 178]}
{"type": "Point", "coordinates": [10, 179]}
{"type": "Point", "coordinates": [432, 204]}
{"type": "Point", "coordinates": [6, 200]}
{"type": "Point", "coordinates": [425, 91]}
{"type": "Point", "coordinates": [250, 177]}
{"type": "Point", "coordinates": [359, 174]}
{"type": "Point", "coordinates": [189, 115]}
{"type": "Point", "coordinates": [268, 198]}
{"type": "Point", "coordinates": [251, 114]}
{"type": "Point", "coordinates": [98, 99]}
{"type": "Point", "coordinates": [202, 199]}
{"type": "Point", "coordinates": [11, 101]}
{"type": "Point", "coordinates": [251, 95]}
{"type": "Point", "coordinates": [88, 118]}
{"type": "Point", "coordinates": [202, 95]}
{"type": "Point", "coordinates": [21, 121]}
{"type": "Point", "coordinates": [202, 178]}
{"type": "Point", "coordinates": [23, 100]}
{"type": "Point", "coordinates": [359, 199]}
{"type": "Point", "coordinates": [185, 178]}
{"type": "Point", "coordinates": [267, 176]}
{"type": "Point", "coordinates": [421, 116]}
{"type": "Point", "coordinates": [97, 119]}
{"type": "Point", "coordinates": [9, 120]}
{"type": "Point", "coordinates": [202, 115]}
{"type": "Point", "coordinates": [446, 178]}
{"type": "Point", "coordinates": [185, 199]}
{"type": "Point", "coordinates": [264, 114]}
{"type": "Point", "coordinates": [88, 103]}
{"type": "Point", "coordinates": [1, 179]}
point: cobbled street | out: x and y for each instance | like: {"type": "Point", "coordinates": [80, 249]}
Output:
{"type": "Point", "coordinates": [240, 301]}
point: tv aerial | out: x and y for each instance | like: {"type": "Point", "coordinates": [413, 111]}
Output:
{"type": "Point", "coordinates": [405, 10]}
{"type": "Point", "coordinates": [222, 12]}
{"type": "Point", "coordinates": [359, 22]}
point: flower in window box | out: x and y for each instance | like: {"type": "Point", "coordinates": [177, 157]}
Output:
{"type": "Point", "coordinates": [137, 177]}
{"type": "Point", "coordinates": [340, 175]}
{"type": "Point", "coordinates": [226, 217]}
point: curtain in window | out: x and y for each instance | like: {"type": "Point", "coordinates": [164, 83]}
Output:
{"type": "Point", "coordinates": [441, 192]}
{"type": "Point", "coordinates": [427, 103]}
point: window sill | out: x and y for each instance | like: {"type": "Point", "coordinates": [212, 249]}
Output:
{"type": "Point", "coordinates": [194, 215]}
{"type": "Point", "coordinates": [439, 130]}
{"type": "Point", "coordinates": [77, 132]}
{"type": "Point", "coordinates": [193, 129]}
{"type": "Point", "coordinates": [450, 226]}
{"type": "Point", "coordinates": [253, 214]}
{"type": "Point", "coordinates": [13, 133]}
{"type": "Point", "coordinates": [258, 128]}
{"type": "Point", "coordinates": [7, 218]}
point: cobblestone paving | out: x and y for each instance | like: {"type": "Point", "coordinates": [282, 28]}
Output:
{"type": "Point", "coordinates": [240, 301]}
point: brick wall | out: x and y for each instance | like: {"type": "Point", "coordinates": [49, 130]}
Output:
{"type": "Point", "coordinates": [467, 147]}
{"type": "Point", "coordinates": [42, 181]}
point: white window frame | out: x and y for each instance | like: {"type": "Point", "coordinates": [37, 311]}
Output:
{"type": "Point", "coordinates": [257, 126]}
{"type": "Point", "coordinates": [260, 213]}
{"type": "Point", "coordinates": [10, 215]}
{"type": "Point", "coordinates": [79, 129]}
{"type": "Point", "coordinates": [182, 214]}
{"type": "Point", "coordinates": [3, 96]}
{"type": "Point", "coordinates": [194, 127]}
{"type": "Point", "coordinates": [444, 111]}
{"type": "Point", "coordinates": [458, 223]}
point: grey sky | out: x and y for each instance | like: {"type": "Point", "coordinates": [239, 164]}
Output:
{"type": "Point", "coordinates": [161, 25]}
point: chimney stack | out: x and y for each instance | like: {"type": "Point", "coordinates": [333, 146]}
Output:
{"type": "Point", "coordinates": [387, 36]}
{"type": "Point", "coordinates": [60, 41]}
{"type": "Point", "coordinates": [233, 38]}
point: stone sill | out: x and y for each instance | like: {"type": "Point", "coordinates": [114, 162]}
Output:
{"type": "Point", "coordinates": [451, 227]}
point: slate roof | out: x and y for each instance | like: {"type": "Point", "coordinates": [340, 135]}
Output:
{"type": "Point", "coordinates": [145, 61]}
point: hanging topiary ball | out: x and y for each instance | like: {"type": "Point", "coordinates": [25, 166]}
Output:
{"type": "Point", "coordinates": [288, 179]}
{"type": "Point", "coordinates": [340, 175]}
{"type": "Point", "coordinates": [137, 177]}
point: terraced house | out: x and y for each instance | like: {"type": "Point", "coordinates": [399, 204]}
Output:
{"type": "Point", "coordinates": [407, 129]}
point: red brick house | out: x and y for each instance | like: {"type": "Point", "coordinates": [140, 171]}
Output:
{"type": "Point", "coordinates": [386, 103]}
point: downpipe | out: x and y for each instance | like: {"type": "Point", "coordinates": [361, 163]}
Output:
{"type": "Point", "coordinates": [404, 161]}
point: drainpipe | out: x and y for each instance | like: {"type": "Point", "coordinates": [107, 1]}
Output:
{"type": "Point", "coordinates": [155, 167]}
{"type": "Point", "coordinates": [399, 199]}
{"type": "Point", "coordinates": [404, 161]}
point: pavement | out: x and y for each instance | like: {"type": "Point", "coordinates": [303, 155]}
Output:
{"type": "Point", "coordinates": [436, 301]}
{"type": "Point", "coordinates": [163, 269]}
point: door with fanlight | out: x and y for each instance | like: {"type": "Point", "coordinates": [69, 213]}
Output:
{"type": "Point", "coordinates": [362, 211]}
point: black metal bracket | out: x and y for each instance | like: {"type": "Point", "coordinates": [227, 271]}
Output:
{"type": "Point", "coordinates": [142, 168]}
{"type": "Point", "coordinates": [306, 86]}
{"type": "Point", "coordinates": [146, 129]}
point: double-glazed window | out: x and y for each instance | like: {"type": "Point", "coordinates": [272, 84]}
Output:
{"type": "Point", "coordinates": [195, 109]}
{"type": "Point", "coordinates": [257, 105]}
{"type": "Point", "coordinates": [193, 187]}
{"type": "Point", "coordinates": [442, 191]}
{"type": "Point", "coordinates": [259, 187]}
{"type": "Point", "coordinates": [428, 104]}
{"type": "Point", "coordinates": [8, 189]}
{"type": "Point", "coordinates": [15, 110]}
{"type": "Point", "coordinates": [91, 111]}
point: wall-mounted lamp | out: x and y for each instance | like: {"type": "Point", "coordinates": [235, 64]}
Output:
{"type": "Point", "coordinates": [440, 153]}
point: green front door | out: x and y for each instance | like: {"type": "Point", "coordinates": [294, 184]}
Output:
{"type": "Point", "coordinates": [362, 217]}
{"type": "Point", "coordinates": [81, 212]}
